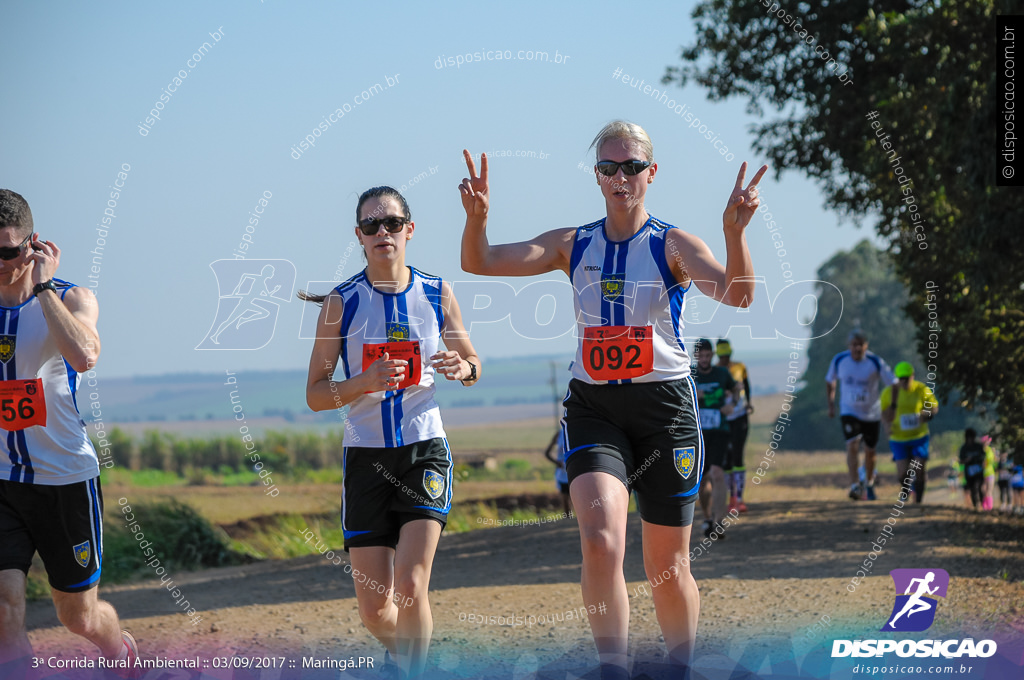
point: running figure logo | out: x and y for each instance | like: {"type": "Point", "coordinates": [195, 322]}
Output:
{"type": "Point", "coordinates": [915, 609]}
{"type": "Point", "coordinates": [250, 296]}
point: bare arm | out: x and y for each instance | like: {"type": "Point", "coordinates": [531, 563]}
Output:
{"type": "Point", "coordinates": [71, 321]}
{"type": "Point", "coordinates": [830, 391]}
{"type": "Point", "coordinates": [454, 363]}
{"type": "Point", "coordinates": [691, 259]}
{"type": "Point", "coordinates": [547, 252]}
{"type": "Point", "coordinates": [324, 393]}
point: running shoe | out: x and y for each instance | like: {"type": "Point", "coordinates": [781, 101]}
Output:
{"type": "Point", "coordinates": [707, 529]}
{"type": "Point", "coordinates": [741, 506]}
{"type": "Point", "coordinates": [733, 503]}
{"type": "Point", "coordinates": [871, 492]}
{"type": "Point", "coordinates": [390, 667]}
{"type": "Point", "coordinates": [131, 672]}
{"type": "Point", "coordinates": [855, 492]}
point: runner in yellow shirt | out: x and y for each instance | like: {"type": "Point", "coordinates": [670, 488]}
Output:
{"type": "Point", "coordinates": [907, 407]}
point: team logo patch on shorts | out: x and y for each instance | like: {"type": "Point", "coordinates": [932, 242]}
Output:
{"type": "Point", "coordinates": [685, 458]}
{"type": "Point", "coordinates": [612, 285]}
{"type": "Point", "coordinates": [7, 343]}
{"type": "Point", "coordinates": [433, 483]}
{"type": "Point", "coordinates": [82, 553]}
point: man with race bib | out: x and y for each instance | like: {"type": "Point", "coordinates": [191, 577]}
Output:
{"type": "Point", "coordinates": [717, 394]}
{"type": "Point", "coordinates": [907, 407]}
{"type": "Point", "coordinates": [50, 497]}
{"type": "Point", "coordinates": [861, 375]}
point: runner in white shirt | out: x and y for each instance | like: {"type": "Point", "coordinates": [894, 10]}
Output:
{"type": "Point", "coordinates": [50, 496]}
{"type": "Point", "coordinates": [861, 376]}
{"type": "Point", "coordinates": [383, 327]}
{"type": "Point", "coordinates": [630, 420]}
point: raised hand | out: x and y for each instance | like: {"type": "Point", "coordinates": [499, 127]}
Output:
{"type": "Point", "coordinates": [473, 188]}
{"type": "Point", "coordinates": [45, 259]}
{"type": "Point", "coordinates": [742, 202]}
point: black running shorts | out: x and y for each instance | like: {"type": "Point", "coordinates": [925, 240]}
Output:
{"type": "Point", "coordinates": [738, 430]}
{"type": "Point", "coordinates": [383, 488]}
{"type": "Point", "coordinates": [643, 434]}
{"type": "Point", "coordinates": [854, 427]}
{"type": "Point", "coordinates": [64, 524]}
{"type": "Point", "coordinates": [716, 448]}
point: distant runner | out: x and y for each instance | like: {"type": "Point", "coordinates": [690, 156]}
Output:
{"type": "Point", "coordinates": [717, 393]}
{"type": "Point", "coordinates": [860, 375]}
{"type": "Point", "coordinates": [739, 426]}
{"type": "Point", "coordinates": [556, 454]}
{"type": "Point", "coordinates": [990, 472]}
{"type": "Point", "coordinates": [972, 460]}
{"type": "Point", "coordinates": [50, 496]}
{"type": "Point", "coordinates": [907, 407]}
{"type": "Point", "coordinates": [1004, 470]}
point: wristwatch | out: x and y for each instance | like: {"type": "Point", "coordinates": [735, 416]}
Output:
{"type": "Point", "coordinates": [472, 372]}
{"type": "Point", "coordinates": [46, 285]}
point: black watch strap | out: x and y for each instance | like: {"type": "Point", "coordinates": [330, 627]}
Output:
{"type": "Point", "coordinates": [472, 371]}
{"type": "Point", "coordinates": [46, 285]}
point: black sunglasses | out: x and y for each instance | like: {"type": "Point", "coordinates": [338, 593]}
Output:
{"type": "Point", "coordinates": [611, 168]}
{"type": "Point", "coordinates": [392, 225]}
{"type": "Point", "coordinates": [11, 253]}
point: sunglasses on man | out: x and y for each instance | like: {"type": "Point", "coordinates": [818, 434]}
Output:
{"type": "Point", "coordinates": [12, 253]}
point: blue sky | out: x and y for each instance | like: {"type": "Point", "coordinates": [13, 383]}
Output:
{"type": "Point", "coordinates": [81, 80]}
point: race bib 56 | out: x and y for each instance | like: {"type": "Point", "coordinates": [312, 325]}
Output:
{"type": "Point", "coordinates": [22, 404]}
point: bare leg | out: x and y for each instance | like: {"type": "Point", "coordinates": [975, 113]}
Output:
{"type": "Point", "coordinates": [869, 464]}
{"type": "Point", "coordinates": [14, 645]}
{"type": "Point", "coordinates": [852, 448]}
{"type": "Point", "coordinates": [414, 559]}
{"type": "Point", "coordinates": [603, 540]}
{"type": "Point", "coordinates": [85, 615]}
{"type": "Point", "coordinates": [705, 496]}
{"type": "Point", "coordinates": [377, 610]}
{"type": "Point", "coordinates": [676, 598]}
{"type": "Point", "coordinates": [717, 493]}
{"type": "Point", "coordinates": [901, 472]}
{"type": "Point", "coordinates": [922, 479]}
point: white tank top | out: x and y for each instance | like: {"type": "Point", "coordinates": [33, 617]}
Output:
{"type": "Point", "coordinates": [394, 417]}
{"type": "Point", "coordinates": [59, 453]}
{"type": "Point", "coordinates": [627, 283]}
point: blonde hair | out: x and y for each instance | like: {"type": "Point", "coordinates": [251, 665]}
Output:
{"type": "Point", "coordinates": [625, 131]}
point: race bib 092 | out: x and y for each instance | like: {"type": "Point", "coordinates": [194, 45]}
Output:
{"type": "Point", "coordinates": [618, 352]}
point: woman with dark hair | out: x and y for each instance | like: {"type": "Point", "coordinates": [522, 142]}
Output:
{"type": "Point", "coordinates": [383, 326]}
{"type": "Point", "coordinates": [631, 420]}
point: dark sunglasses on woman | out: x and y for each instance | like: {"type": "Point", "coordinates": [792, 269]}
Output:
{"type": "Point", "coordinates": [611, 168]}
{"type": "Point", "coordinates": [392, 225]}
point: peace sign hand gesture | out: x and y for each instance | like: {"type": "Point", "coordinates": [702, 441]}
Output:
{"type": "Point", "coordinates": [743, 202]}
{"type": "Point", "coordinates": [474, 189]}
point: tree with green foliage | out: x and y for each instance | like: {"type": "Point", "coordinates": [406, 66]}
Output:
{"type": "Point", "coordinates": [890, 106]}
{"type": "Point", "coordinates": [872, 300]}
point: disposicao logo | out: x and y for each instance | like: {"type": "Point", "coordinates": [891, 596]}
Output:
{"type": "Point", "coordinates": [917, 593]}
{"type": "Point", "coordinates": [915, 608]}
